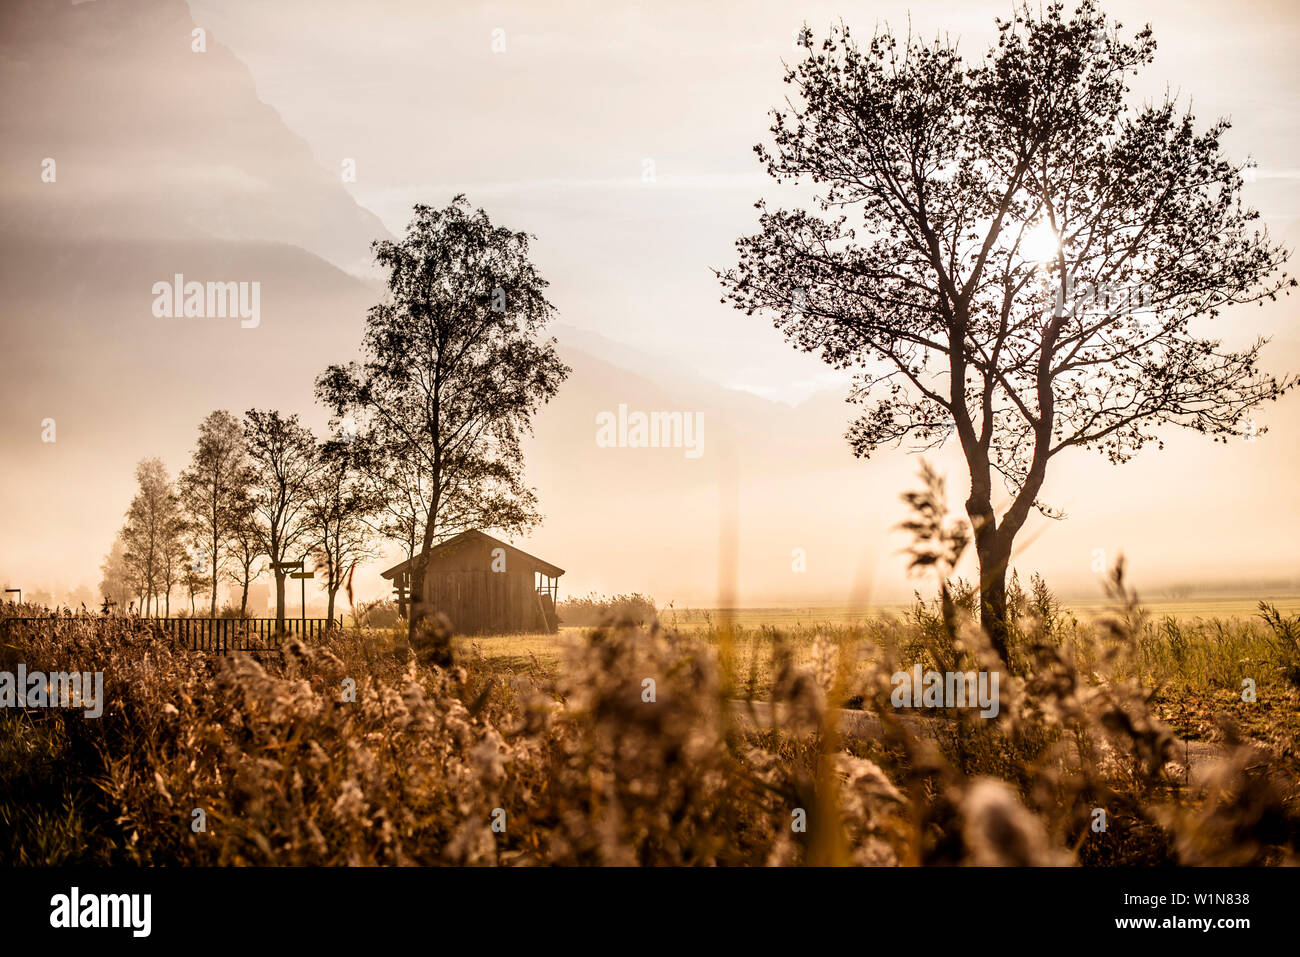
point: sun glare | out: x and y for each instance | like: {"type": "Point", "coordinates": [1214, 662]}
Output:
{"type": "Point", "coordinates": [1040, 243]}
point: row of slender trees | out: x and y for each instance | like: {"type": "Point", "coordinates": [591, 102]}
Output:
{"type": "Point", "coordinates": [257, 494]}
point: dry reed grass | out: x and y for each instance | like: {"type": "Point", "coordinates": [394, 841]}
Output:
{"type": "Point", "coordinates": [579, 763]}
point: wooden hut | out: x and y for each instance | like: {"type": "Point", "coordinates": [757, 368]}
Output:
{"type": "Point", "coordinates": [484, 586]}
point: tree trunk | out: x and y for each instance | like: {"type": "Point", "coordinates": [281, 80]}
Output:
{"type": "Point", "coordinates": [214, 579]}
{"type": "Point", "coordinates": [279, 600]}
{"type": "Point", "coordinates": [332, 592]}
{"type": "Point", "coordinates": [994, 551]}
{"type": "Point", "coordinates": [415, 597]}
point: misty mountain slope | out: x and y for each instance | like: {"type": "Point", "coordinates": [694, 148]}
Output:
{"type": "Point", "coordinates": [198, 155]}
{"type": "Point", "coordinates": [82, 347]}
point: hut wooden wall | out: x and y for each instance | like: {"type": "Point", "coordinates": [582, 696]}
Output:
{"type": "Point", "coordinates": [484, 602]}
{"type": "Point", "coordinates": [460, 583]}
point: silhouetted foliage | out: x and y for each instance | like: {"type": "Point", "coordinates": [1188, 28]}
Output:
{"type": "Point", "coordinates": [1011, 255]}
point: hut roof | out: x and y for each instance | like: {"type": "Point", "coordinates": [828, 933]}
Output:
{"type": "Point", "coordinates": [474, 535]}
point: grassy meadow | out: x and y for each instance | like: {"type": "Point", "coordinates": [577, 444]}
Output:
{"type": "Point", "coordinates": [1193, 654]}
{"type": "Point", "coordinates": [555, 749]}
{"type": "Point", "coordinates": [818, 616]}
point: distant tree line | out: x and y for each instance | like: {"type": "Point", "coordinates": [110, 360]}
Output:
{"type": "Point", "coordinates": [257, 494]}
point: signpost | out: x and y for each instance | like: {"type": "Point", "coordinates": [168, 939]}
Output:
{"type": "Point", "coordinates": [304, 576]}
{"type": "Point", "coordinates": [288, 566]}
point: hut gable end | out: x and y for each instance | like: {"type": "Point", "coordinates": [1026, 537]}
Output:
{"type": "Point", "coordinates": [485, 586]}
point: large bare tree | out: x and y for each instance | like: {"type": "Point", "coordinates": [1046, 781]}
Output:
{"type": "Point", "coordinates": [1011, 254]}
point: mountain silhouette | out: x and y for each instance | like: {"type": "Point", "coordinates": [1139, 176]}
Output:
{"type": "Point", "coordinates": [199, 156]}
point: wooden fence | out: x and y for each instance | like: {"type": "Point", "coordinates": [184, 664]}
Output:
{"type": "Point", "coordinates": [218, 635]}
{"type": "Point", "coordinates": [233, 634]}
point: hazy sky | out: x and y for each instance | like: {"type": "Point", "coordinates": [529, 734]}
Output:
{"type": "Point", "coordinates": [558, 134]}
{"type": "Point", "coordinates": [552, 133]}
